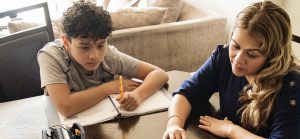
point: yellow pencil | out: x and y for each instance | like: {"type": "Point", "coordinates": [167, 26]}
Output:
{"type": "Point", "coordinates": [121, 87]}
{"type": "Point", "coordinates": [77, 132]}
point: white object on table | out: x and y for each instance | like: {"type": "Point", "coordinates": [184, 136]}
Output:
{"type": "Point", "coordinates": [23, 119]}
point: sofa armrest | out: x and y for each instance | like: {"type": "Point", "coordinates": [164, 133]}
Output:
{"type": "Point", "coordinates": [183, 45]}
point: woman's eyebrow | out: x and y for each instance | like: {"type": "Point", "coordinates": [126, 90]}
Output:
{"type": "Point", "coordinates": [235, 42]}
{"type": "Point", "coordinates": [249, 49]}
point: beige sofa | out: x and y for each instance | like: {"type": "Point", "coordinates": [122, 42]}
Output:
{"type": "Point", "coordinates": [182, 45]}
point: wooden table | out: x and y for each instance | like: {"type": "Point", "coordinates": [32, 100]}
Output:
{"type": "Point", "coordinates": [26, 118]}
{"type": "Point", "coordinates": [150, 126]}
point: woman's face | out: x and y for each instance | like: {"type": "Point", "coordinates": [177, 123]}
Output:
{"type": "Point", "coordinates": [245, 56]}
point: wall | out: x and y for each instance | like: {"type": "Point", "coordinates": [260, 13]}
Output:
{"type": "Point", "coordinates": [292, 7]}
{"type": "Point", "coordinates": [230, 8]}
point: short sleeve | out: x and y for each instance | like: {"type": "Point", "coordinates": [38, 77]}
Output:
{"type": "Point", "coordinates": [50, 70]}
{"type": "Point", "coordinates": [120, 63]}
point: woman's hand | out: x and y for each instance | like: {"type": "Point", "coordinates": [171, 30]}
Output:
{"type": "Point", "coordinates": [130, 100]}
{"type": "Point", "coordinates": [218, 127]}
{"type": "Point", "coordinates": [174, 132]}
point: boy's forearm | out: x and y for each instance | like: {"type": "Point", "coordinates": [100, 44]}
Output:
{"type": "Point", "coordinates": [152, 82]}
{"type": "Point", "coordinates": [82, 100]}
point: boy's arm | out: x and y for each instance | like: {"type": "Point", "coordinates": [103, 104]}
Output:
{"type": "Point", "coordinates": [68, 103]}
{"type": "Point", "coordinates": [154, 78]}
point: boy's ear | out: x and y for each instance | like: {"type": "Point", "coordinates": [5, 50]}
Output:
{"type": "Point", "coordinates": [66, 42]}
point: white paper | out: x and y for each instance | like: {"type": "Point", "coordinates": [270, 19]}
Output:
{"type": "Point", "coordinates": [104, 110]}
{"type": "Point", "coordinates": [23, 119]}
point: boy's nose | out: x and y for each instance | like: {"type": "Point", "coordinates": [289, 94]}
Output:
{"type": "Point", "coordinates": [94, 54]}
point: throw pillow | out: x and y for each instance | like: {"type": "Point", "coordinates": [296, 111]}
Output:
{"type": "Point", "coordinates": [114, 5]}
{"type": "Point", "coordinates": [173, 6]}
{"type": "Point", "coordinates": [56, 27]}
{"type": "Point", "coordinates": [103, 3]}
{"type": "Point", "coordinates": [16, 26]}
{"type": "Point", "coordinates": [135, 17]}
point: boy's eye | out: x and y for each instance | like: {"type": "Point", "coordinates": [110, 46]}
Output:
{"type": "Point", "coordinates": [84, 48]}
{"type": "Point", "coordinates": [100, 45]}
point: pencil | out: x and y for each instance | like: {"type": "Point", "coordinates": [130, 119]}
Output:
{"type": "Point", "coordinates": [121, 87]}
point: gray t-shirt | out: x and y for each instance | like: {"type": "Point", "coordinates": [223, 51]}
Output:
{"type": "Point", "coordinates": [58, 66]}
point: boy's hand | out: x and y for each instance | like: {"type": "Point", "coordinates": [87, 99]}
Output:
{"type": "Point", "coordinates": [128, 85]}
{"type": "Point", "coordinates": [130, 100]}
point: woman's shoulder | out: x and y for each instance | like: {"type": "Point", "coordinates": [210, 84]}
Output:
{"type": "Point", "coordinates": [292, 79]}
{"type": "Point", "coordinates": [286, 112]}
{"type": "Point", "coordinates": [221, 49]}
{"type": "Point", "coordinates": [220, 57]}
{"type": "Point", "coordinates": [290, 92]}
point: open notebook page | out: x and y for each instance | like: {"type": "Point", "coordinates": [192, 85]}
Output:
{"type": "Point", "coordinates": [157, 102]}
{"type": "Point", "coordinates": [103, 111]}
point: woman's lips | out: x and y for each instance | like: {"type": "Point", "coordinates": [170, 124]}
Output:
{"type": "Point", "coordinates": [238, 68]}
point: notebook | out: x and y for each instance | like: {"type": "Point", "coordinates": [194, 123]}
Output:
{"type": "Point", "coordinates": [109, 109]}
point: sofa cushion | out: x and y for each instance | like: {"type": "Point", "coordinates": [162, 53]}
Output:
{"type": "Point", "coordinates": [103, 3]}
{"type": "Point", "coordinates": [113, 5]}
{"type": "Point", "coordinates": [136, 17]}
{"type": "Point", "coordinates": [15, 26]}
{"type": "Point", "coordinates": [116, 4]}
{"type": "Point", "coordinates": [123, 18]}
{"type": "Point", "coordinates": [173, 6]}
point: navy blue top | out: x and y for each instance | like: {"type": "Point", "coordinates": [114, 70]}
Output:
{"type": "Point", "coordinates": [215, 75]}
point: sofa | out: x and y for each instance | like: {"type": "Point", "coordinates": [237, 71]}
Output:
{"type": "Point", "coordinates": [183, 45]}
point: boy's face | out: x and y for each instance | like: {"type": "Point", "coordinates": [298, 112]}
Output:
{"type": "Point", "coordinates": [87, 53]}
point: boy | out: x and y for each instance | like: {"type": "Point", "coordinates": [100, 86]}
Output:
{"type": "Point", "coordinates": [78, 70]}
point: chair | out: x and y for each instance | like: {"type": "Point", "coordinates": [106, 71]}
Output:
{"type": "Point", "coordinates": [296, 39]}
{"type": "Point", "coordinates": [19, 69]}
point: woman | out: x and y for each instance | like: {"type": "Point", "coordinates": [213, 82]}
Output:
{"type": "Point", "coordinates": [256, 77]}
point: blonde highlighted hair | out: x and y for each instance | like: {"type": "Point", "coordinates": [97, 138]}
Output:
{"type": "Point", "coordinates": [270, 25]}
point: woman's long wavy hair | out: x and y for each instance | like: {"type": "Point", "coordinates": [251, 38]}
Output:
{"type": "Point", "coordinates": [271, 26]}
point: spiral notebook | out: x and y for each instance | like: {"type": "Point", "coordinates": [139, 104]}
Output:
{"type": "Point", "coordinates": [109, 109]}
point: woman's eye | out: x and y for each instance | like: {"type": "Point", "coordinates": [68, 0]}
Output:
{"type": "Point", "coordinates": [235, 46]}
{"type": "Point", "coordinates": [251, 55]}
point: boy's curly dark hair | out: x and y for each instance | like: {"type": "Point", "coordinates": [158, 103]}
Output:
{"type": "Point", "coordinates": [86, 20]}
